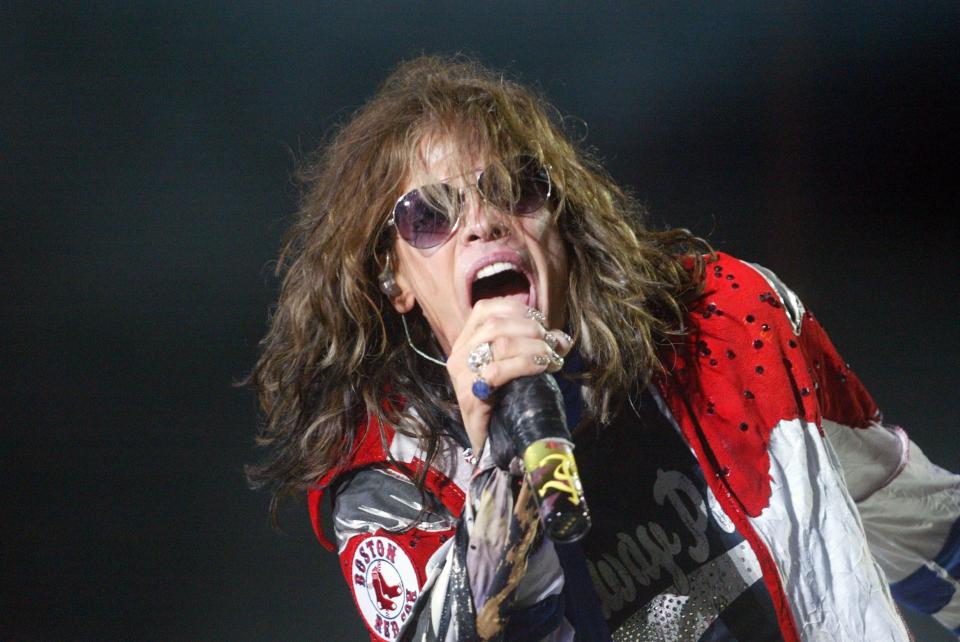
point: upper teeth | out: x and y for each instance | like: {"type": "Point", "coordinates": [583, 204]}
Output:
{"type": "Point", "coordinates": [495, 268]}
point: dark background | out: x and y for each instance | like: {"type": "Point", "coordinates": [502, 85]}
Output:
{"type": "Point", "coordinates": [146, 154]}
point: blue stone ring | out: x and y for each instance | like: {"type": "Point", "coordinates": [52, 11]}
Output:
{"type": "Point", "coordinates": [481, 389]}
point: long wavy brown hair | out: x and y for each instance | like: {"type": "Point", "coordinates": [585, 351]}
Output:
{"type": "Point", "coordinates": [336, 353]}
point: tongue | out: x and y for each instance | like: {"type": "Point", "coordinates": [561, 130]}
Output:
{"type": "Point", "coordinates": [505, 284]}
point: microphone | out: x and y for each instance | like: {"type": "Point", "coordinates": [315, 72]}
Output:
{"type": "Point", "coordinates": [529, 421]}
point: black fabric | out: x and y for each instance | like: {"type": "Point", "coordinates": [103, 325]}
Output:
{"type": "Point", "coordinates": [653, 528]}
{"type": "Point", "coordinates": [742, 621]}
{"type": "Point", "coordinates": [580, 601]}
{"type": "Point", "coordinates": [536, 622]}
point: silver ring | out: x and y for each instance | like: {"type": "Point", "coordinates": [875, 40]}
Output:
{"type": "Point", "coordinates": [556, 361]}
{"type": "Point", "coordinates": [552, 340]}
{"type": "Point", "coordinates": [536, 315]}
{"type": "Point", "coordinates": [479, 357]}
{"type": "Point", "coordinates": [541, 359]}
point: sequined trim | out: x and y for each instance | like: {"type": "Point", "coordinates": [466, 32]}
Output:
{"type": "Point", "coordinates": [680, 618]}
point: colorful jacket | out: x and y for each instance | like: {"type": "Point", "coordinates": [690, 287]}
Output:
{"type": "Point", "coordinates": [838, 512]}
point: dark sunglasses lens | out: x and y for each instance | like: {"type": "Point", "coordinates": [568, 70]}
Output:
{"type": "Point", "coordinates": [526, 192]}
{"type": "Point", "coordinates": [424, 222]}
{"type": "Point", "coordinates": [533, 187]}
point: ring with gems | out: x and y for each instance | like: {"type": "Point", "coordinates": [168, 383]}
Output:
{"type": "Point", "coordinates": [552, 340]}
{"type": "Point", "coordinates": [481, 389]}
{"type": "Point", "coordinates": [479, 357]}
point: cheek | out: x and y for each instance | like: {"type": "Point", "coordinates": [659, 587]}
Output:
{"type": "Point", "coordinates": [538, 227]}
{"type": "Point", "coordinates": [558, 250]}
{"type": "Point", "coordinates": [544, 232]}
{"type": "Point", "coordinates": [426, 275]}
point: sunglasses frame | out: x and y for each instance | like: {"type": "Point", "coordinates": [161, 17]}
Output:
{"type": "Point", "coordinates": [392, 221]}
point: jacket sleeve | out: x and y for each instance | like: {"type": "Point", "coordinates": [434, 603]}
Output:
{"type": "Point", "coordinates": [909, 507]}
{"type": "Point", "coordinates": [912, 522]}
{"type": "Point", "coordinates": [430, 581]}
{"type": "Point", "coordinates": [388, 564]}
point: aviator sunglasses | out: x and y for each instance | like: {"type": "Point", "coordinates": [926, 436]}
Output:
{"type": "Point", "coordinates": [428, 215]}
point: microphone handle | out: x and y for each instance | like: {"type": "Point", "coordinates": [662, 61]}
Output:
{"type": "Point", "coordinates": [530, 413]}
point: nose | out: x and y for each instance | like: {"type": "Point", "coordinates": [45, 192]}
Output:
{"type": "Point", "coordinates": [483, 222]}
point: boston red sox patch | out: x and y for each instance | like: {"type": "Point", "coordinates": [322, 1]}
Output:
{"type": "Point", "coordinates": [385, 585]}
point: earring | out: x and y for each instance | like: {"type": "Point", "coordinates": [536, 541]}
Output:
{"type": "Point", "coordinates": [387, 281]}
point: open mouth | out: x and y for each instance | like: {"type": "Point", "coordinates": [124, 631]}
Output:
{"type": "Point", "coordinates": [501, 279]}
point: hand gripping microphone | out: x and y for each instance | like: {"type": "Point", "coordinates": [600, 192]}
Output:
{"type": "Point", "coordinates": [529, 421]}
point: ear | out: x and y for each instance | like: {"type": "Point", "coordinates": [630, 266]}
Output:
{"type": "Point", "coordinates": [403, 299]}
{"type": "Point", "coordinates": [396, 288]}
